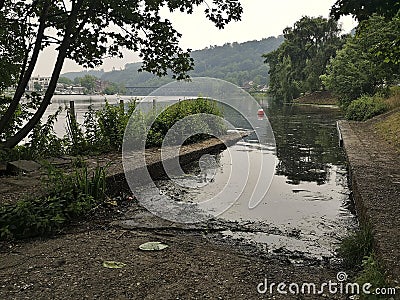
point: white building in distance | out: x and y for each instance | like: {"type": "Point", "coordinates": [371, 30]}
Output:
{"type": "Point", "coordinates": [37, 81]}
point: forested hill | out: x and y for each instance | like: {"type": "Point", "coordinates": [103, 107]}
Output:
{"type": "Point", "coordinates": [239, 63]}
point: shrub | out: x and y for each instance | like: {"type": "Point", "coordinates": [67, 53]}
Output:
{"type": "Point", "coordinates": [365, 108]}
{"type": "Point", "coordinates": [68, 196]}
{"type": "Point", "coordinates": [201, 115]}
{"type": "Point", "coordinates": [22, 114]}
{"type": "Point", "coordinates": [92, 133]}
{"type": "Point", "coordinates": [373, 275]}
{"type": "Point", "coordinates": [112, 121]}
{"type": "Point", "coordinates": [43, 141]}
{"type": "Point", "coordinates": [76, 141]}
{"type": "Point", "coordinates": [186, 109]}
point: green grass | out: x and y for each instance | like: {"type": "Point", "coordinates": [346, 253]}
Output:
{"type": "Point", "coordinates": [355, 247]}
{"type": "Point", "coordinates": [390, 129]}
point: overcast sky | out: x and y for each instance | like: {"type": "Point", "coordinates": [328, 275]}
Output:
{"type": "Point", "coordinates": [260, 19]}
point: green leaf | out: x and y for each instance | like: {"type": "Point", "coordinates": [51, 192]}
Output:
{"type": "Point", "coordinates": [153, 246]}
{"type": "Point", "coordinates": [113, 264]}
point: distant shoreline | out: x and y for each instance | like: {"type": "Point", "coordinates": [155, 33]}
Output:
{"type": "Point", "coordinates": [319, 98]}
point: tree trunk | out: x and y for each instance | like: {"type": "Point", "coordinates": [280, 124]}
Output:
{"type": "Point", "coordinates": [8, 115]}
{"type": "Point", "coordinates": [62, 54]}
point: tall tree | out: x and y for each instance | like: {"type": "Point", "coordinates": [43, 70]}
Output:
{"type": "Point", "coordinates": [88, 30]}
{"type": "Point", "coordinates": [296, 65]}
{"type": "Point", "coordinates": [88, 82]}
{"type": "Point", "coordinates": [387, 37]}
{"type": "Point", "coordinates": [361, 67]}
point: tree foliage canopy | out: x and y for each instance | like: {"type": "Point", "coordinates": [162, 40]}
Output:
{"type": "Point", "coordinates": [362, 67]}
{"type": "Point", "coordinates": [12, 44]}
{"type": "Point", "coordinates": [363, 9]}
{"type": "Point", "coordinates": [385, 35]}
{"type": "Point", "coordinates": [296, 65]}
{"type": "Point", "coordinates": [86, 31]}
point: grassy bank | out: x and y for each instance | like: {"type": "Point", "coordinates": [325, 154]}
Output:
{"type": "Point", "coordinates": [103, 131]}
{"type": "Point", "coordinates": [358, 256]}
{"type": "Point", "coordinates": [389, 126]}
{"type": "Point", "coordinates": [68, 196]}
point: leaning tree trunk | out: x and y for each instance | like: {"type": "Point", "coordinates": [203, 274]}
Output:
{"type": "Point", "coordinates": [8, 115]}
{"type": "Point", "coordinates": [62, 54]}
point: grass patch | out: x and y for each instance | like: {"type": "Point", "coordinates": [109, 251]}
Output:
{"type": "Point", "coordinates": [355, 247]}
{"type": "Point", "coordinates": [357, 253]}
{"type": "Point", "coordinates": [390, 129]}
{"type": "Point", "coordinates": [393, 101]}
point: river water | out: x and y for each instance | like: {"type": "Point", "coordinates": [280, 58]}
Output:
{"type": "Point", "coordinates": [305, 209]}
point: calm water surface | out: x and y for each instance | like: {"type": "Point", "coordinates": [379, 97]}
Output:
{"type": "Point", "coordinates": [306, 204]}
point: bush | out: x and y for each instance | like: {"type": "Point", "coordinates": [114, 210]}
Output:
{"type": "Point", "coordinates": [23, 113]}
{"type": "Point", "coordinates": [112, 121]}
{"type": "Point", "coordinates": [365, 108]}
{"type": "Point", "coordinates": [201, 117]}
{"type": "Point", "coordinates": [186, 109]}
{"type": "Point", "coordinates": [69, 196]}
{"type": "Point", "coordinates": [43, 141]}
{"type": "Point", "coordinates": [104, 130]}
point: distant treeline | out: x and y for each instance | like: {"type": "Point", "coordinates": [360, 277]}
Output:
{"type": "Point", "coordinates": [238, 63]}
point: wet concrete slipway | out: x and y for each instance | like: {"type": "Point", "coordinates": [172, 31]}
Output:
{"type": "Point", "coordinates": [304, 209]}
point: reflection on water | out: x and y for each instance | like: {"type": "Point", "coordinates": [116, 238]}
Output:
{"type": "Point", "coordinates": [307, 200]}
{"type": "Point", "coordinates": [307, 144]}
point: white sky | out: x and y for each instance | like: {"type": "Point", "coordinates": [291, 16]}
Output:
{"type": "Point", "coordinates": [260, 19]}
